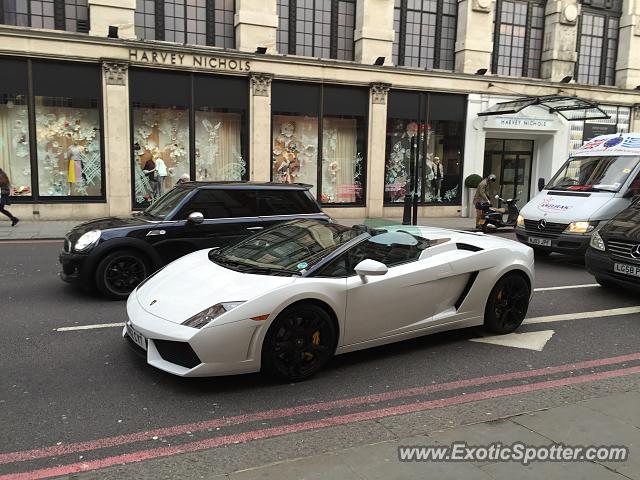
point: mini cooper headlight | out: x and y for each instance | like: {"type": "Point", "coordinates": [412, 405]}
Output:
{"type": "Point", "coordinates": [581, 227]}
{"type": "Point", "coordinates": [199, 320]}
{"type": "Point", "coordinates": [597, 242]}
{"type": "Point", "coordinates": [87, 241]}
{"type": "Point", "coordinates": [520, 221]}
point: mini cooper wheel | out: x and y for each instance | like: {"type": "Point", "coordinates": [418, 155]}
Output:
{"type": "Point", "coordinates": [301, 340]}
{"type": "Point", "coordinates": [507, 304]}
{"type": "Point", "coordinates": [120, 272]}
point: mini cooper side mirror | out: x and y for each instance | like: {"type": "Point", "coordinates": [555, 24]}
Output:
{"type": "Point", "coordinates": [370, 267]}
{"type": "Point", "coordinates": [195, 217]}
{"type": "Point", "coordinates": [497, 197]}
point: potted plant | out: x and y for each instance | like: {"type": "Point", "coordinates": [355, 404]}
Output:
{"type": "Point", "coordinates": [471, 183]}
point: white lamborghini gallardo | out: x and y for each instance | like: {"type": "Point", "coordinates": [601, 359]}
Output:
{"type": "Point", "coordinates": [287, 299]}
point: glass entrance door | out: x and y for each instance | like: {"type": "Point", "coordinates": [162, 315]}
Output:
{"type": "Point", "coordinates": [510, 161]}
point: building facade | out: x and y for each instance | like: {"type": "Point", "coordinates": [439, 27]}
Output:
{"type": "Point", "coordinates": [106, 104]}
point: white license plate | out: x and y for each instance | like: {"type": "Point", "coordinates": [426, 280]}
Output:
{"type": "Point", "coordinates": [137, 337]}
{"type": "Point", "coordinates": [545, 242]}
{"type": "Point", "coordinates": [633, 270]}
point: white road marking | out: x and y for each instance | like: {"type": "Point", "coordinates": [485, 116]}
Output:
{"type": "Point", "coordinates": [533, 320]}
{"type": "Point", "coordinates": [527, 340]}
{"type": "Point", "coordinates": [580, 315]}
{"type": "Point", "coordinates": [89, 327]}
{"type": "Point", "coordinates": [565, 287]}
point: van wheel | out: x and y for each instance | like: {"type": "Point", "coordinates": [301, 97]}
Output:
{"type": "Point", "coordinates": [120, 272]}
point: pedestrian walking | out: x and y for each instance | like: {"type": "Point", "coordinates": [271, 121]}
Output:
{"type": "Point", "coordinates": [482, 195]}
{"type": "Point", "coordinates": [5, 191]}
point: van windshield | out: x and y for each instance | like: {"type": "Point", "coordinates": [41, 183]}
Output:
{"type": "Point", "coordinates": [594, 174]}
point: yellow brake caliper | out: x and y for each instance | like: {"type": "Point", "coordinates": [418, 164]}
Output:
{"type": "Point", "coordinates": [315, 339]}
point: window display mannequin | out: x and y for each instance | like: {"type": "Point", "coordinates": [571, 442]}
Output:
{"type": "Point", "coordinates": [438, 176]}
{"type": "Point", "coordinates": [150, 171]}
{"type": "Point", "coordinates": [74, 156]}
{"type": "Point", "coordinates": [161, 171]}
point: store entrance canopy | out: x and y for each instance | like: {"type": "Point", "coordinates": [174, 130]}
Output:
{"type": "Point", "coordinates": [571, 108]}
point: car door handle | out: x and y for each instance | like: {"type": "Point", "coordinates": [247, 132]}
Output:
{"type": "Point", "coordinates": [255, 228]}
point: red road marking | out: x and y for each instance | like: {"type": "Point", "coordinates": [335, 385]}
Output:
{"type": "Point", "coordinates": [118, 440]}
{"type": "Point", "coordinates": [310, 425]}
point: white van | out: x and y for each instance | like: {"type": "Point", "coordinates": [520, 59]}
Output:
{"type": "Point", "coordinates": [596, 183]}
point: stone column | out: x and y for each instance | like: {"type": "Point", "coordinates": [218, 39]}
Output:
{"type": "Point", "coordinates": [374, 31]}
{"type": "Point", "coordinates": [260, 128]}
{"type": "Point", "coordinates": [628, 64]}
{"type": "Point", "coordinates": [474, 34]}
{"type": "Point", "coordinates": [117, 141]}
{"type": "Point", "coordinates": [559, 55]}
{"type": "Point", "coordinates": [117, 13]}
{"type": "Point", "coordinates": [256, 23]}
{"type": "Point", "coordinates": [377, 148]}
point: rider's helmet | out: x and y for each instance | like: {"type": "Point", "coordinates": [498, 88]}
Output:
{"type": "Point", "coordinates": [492, 177]}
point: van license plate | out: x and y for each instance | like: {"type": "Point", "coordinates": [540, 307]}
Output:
{"type": "Point", "coordinates": [545, 242]}
{"type": "Point", "coordinates": [633, 270]}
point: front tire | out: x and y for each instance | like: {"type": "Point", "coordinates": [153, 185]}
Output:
{"type": "Point", "coordinates": [120, 272]}
{"type": "Point", "coordinates": [299, 343]}
{"type": "Point", "coordinates": [507, 304]}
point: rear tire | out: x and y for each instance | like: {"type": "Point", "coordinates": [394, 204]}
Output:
{"type": "Point", "coordinates": [507, 304]}
{"type": "Point", "coordinates": [299, 343]}
{"type": "Point", "coordinates": [120, 272]}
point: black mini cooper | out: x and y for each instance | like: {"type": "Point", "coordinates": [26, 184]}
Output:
{"type": "Point", "coordinates": [116, 254]}
{"type": "Point", "coordinates": [613, 256]}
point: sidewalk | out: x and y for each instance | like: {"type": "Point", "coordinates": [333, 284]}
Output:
{"type": "Point", "coordinates": [612, 420]}
{"type": "Point", "coordinates": [56, 229]}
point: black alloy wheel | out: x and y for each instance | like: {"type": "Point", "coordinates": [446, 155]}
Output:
{"type": "Point", "coordinates": [301, 340]}
{"type": "Point", "coordinates": [120, 272]}
{"type": "Point", "coordinates": [507, 304]}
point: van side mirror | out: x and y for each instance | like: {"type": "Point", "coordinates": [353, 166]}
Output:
{"type": "Point", "coordinates": [195, 217]}
{"type": "Point", "coordinates": [541, 184]}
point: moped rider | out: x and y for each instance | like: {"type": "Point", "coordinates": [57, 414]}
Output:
{"type": "Point", "coordinates": [482, 195]}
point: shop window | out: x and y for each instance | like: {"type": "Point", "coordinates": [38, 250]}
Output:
{"type": "Point", "coordinates": [424, 147]}
{"type": "Point", "coordinates": [70, 15]}
{"type": "Point", "coordinates": [161, 149]}
{"type": "Point", "coordinates": [519, 27]}
{"type": "Point", "coordinates": [68, 130]}
{"type": "Point", "coordinates": [299, 142]}
{"type": "Point", "coordinates": [425, 33]}
{"type": "Point", "coordinates": [163, 130]}
{"type": "Point", "coordinates": [317, 28]}
{"type": "Point", "coordinates": [598, 43]}
{"type": "Point", "coordinates": [198, 22]}
{"type": "Point", "coordinates": [14, 126]}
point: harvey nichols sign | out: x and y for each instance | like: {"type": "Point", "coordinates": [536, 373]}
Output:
{"type": "Point", "coordinates": [154, 57]}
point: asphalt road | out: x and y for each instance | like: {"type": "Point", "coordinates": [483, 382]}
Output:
{"type": "Point", "coordinates": [63, 387]}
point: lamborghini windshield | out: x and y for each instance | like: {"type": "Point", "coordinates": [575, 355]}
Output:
{"type": "Point", "coordinates": [594, 174]}
{"type": "Point", "coordinates": [289, 248]}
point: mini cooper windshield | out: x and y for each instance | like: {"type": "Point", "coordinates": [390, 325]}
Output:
{"type": "Point", "coordinates": [165, 204]}
{"type": "Point", "coordinates": [285, 249]}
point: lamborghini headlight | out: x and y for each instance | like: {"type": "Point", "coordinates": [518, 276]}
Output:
{"type": "Point", "coordinates": [520, 221]}
{"type": "Point", "coordinates": [597, 242]}
{"type": "Point", "coordinates": [201, 319]}
{"type": "Point", "coordinates": [581, 227]}
{"type": "Point", "coordinates": [87, 240]}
